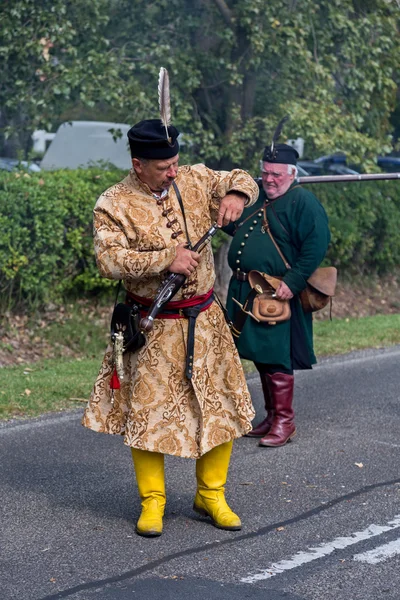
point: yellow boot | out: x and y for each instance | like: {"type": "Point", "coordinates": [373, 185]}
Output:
{"type": "Point", "coordinates": [211, 474]}
{"type": "Point", "coordinates": [149, 469]}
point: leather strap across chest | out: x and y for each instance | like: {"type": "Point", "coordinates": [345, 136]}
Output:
{"type": "Point", "coordinates": [266, 228]}
{"type": "Point", "coordinates": [178, 195]}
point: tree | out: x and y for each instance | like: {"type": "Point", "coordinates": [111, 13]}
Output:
{"type": "Point", "coordinates": [52, 54]}
{"type": "Point", "coordinates": [236, 67]}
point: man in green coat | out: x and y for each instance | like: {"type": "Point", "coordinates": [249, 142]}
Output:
{"type": "Point", "coordinates": [299, 226]}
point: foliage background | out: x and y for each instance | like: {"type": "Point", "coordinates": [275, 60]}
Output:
{"type": "Point", "coordinates": [46, 246]}
{"type": "Point", "coordinates": [236, 67]}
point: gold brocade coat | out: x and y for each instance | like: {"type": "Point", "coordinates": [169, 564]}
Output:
{"type": "Point", "coordinates": [158, 408]}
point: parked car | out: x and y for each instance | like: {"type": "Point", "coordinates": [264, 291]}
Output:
{"type": "Point", "coordinates": [341, 170]}
{"type": "Point", "coordinates": [11, 164]}
{"type": "Point", "coordinates": [389, 164]}
{"type": "Point", "coordinates": [337, 158]}
{"type": "Point", "coordinates": [83, 143]}
{"type": "Point", "coordinates": [310, 168]}
{"type": "Point", "coordinates": [301, 171]}
{"type": "Point", "coordinates": [336, 164]}
{"type": "Point", "coordinates": [324, 167]}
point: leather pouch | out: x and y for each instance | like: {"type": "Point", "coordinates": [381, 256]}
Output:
{"type": "Point", "coordinates": [266, 308]}
{"type": "Point", "coordinates": [320, 289]}
{"type": "Point", "coordinates": [125, 319]}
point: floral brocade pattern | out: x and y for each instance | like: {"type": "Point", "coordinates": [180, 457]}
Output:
{"type": "Point", "coordinates": [157, 408]}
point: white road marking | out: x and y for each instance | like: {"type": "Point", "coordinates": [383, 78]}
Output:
{"type": "Point", "coordinates": [385, 443]}
{"type": "Point", "coordinates": [380, 553]}
{"type": "Point", "coordinates": [301, 558]}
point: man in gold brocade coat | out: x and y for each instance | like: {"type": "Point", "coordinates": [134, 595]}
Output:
{"type": "Point", "coordinates": [140, 235]}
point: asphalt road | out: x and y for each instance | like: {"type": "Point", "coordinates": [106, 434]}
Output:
{"type": "Point", "coordinates": [321, 515]}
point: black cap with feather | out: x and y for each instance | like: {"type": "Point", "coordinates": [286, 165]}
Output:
{"type": "Point", "coordinates": [280, 153]}
{"type": "Point", "coordinates": [156, 138]}
{"type": "Point", "coordinates": [148, 139]}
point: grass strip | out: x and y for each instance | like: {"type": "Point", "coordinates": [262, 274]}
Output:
{"type": "Point", "coordinates": [46, 386]}
{"type": "Point", "coordinates": [57, 384]}
{"type": "Point", "coordinates": [340, 336]}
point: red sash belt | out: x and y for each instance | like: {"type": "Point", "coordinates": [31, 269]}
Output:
{"type": "Point", "coordinates": [179, 309]}
{"type": "Point", "coordinates": [173, 309]}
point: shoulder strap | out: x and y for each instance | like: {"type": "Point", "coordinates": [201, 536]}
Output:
{"type": "Point", "coordinates": [178, 195]}
{"type": "Point", "coordinates": [266, 227]}
{"type": "Point", "coordinates": [246, 219]}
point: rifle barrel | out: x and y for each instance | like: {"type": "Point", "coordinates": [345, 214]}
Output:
{"type": "Point", "coordinates": [338, 178]}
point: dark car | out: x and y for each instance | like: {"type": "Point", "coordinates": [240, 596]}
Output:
{"type": "Point", "coordinates": [337, 158]}
{"type": "Point", "coordinates": [324, 166]}
{"type": "Point", "coordinates": [389, 164]}
{"type": "Point", "coordinates": [310, 168]}
{"type": "Point", "coordinates": [336, 164]}
{"type": "Point", "coordinates": [341, 170]}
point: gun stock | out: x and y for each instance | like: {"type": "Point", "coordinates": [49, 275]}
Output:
{"type": "Point", "coordinates": [172, 284]}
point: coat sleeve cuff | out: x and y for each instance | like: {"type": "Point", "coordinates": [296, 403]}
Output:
{"type": "Point", "coordinates": [245, 196]}
{"type": "Point", "coordinates": [294, 281]}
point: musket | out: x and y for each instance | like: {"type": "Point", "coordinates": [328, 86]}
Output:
{"type": "Point", "coordinates": [339, 178]}
{"type": "Point", "coordinates": [172, 284]}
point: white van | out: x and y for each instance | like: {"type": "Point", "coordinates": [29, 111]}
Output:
{"type": "Point", "coordinates": [84, 143]}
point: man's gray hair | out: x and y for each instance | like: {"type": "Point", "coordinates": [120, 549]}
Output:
{"type": "Point", "coordinates": [292, 169]}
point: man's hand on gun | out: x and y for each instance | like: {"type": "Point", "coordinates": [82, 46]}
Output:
{"type": "Point", "coordinates": [230, 208]}
{"type": "Point", "coordinates": [185, 261]}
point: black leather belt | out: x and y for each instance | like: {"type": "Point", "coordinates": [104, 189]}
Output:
{"type": "Point", "coordinates": [191, 313]}
{"type": "Point", "coordinates": [240, 275]}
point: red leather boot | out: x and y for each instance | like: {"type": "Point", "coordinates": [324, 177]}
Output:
{"type": "Point", "coordinates": [281, 386]}
{"type": "Point", "coordinates": [263, 428]}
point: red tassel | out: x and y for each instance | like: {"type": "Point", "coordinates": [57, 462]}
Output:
{"type": "Point", "coordinates": [114, 381]}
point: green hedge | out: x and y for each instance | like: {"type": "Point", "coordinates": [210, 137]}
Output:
{"type": "Point", "coordinates": [46, 248]}
{"type": "Point", "coordinates": [364, 221]}
{"type": "Point", "coordinates": [46, 243]}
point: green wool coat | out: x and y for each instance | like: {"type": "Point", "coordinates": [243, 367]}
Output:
{"type": "Point", "coordinates": [299, 224]}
